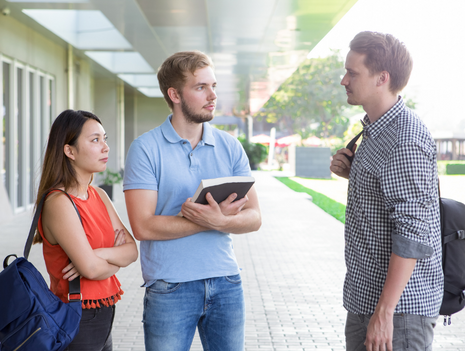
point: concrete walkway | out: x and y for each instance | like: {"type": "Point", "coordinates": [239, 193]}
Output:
{"type": "Point", "coordinates": [292, 269]}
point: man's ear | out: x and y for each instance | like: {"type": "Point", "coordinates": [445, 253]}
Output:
{"type": "Point", "coordinates": [69, 152]}
{"type": "Point", "coordinates": [174, 95]}
{"type": "Point", "coordinates": [383, 78]}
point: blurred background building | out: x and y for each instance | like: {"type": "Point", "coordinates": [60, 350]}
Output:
{"type": "Point", "coordinates": [103, 55]}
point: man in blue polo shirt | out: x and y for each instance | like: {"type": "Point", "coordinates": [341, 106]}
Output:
{"type": "Point", "coordinates": [188, 264]}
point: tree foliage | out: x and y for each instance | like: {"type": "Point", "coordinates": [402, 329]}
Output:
{"type": "Point", "coordinates": [311, 101]}
{"type": "Point", "coordinates": [256, 153]}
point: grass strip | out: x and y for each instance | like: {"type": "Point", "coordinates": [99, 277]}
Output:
{"type": "Point", "coordinates": [334, 208]}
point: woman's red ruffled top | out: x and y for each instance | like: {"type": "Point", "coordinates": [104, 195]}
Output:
{"type": "Point", "coordinates": [99, 231]}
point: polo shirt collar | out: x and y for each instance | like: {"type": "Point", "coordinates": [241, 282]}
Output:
{"type": "Point", "coordinates": [168, 131]}
{"type": "Point", "coordinates": [173, 137]}
{"type": "Point", "coordinates": [207, 136]}
{"type": "Point", "coordinates": [376, 128]}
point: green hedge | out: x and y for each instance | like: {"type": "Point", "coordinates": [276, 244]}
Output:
{"type": "Point", "coordinates": [451, 167]}
{"type": "Point", "coordinates": [334, 208]}
{"type": "Point", "coordinates": [455, 168]}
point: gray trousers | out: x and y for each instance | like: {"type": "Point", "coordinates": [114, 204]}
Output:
{"type": "Point", "coordinates": [411, 332]}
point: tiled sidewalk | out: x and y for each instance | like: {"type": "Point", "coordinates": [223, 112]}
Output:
{"type": "Point", "coordinates": [292, 270]}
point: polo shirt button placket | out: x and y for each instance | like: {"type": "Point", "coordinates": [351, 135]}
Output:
{"type": "Point", "coordinates": [191, 159]}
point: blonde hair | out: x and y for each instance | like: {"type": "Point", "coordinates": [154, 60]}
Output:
{"type": "Point", "coordinates": [172, 73]}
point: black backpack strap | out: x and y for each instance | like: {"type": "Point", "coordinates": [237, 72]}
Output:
{"type": "Point", "coordinates": [459, 234]}
{"type": "Point", "coordinates": [7, 259]}
{"type": "Point", "coordinates": [454, 290]}
{"type": "Point", "coordinates": [74, 293]}
{"type": "Point", "coordinates": [75, 284]}
{"type": "Point", "coordinates": [351, 144]}
{"type": "Point", "coordinates": [35, 220]}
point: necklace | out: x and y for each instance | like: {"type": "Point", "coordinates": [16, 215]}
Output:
{"type": "Point", "coordinates": [84, 196]}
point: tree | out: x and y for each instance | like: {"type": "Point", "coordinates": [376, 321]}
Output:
{"type": "Point", "coordinates": [311, 101]}
{"type": "Point", "coordinates": [409, 102]}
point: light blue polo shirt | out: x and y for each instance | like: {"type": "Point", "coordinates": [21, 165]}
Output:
{"type": "Point", "coordinates": [163, 161]}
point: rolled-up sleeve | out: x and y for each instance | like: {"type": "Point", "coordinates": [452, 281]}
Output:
{"type": "Point", "coordinates": [140, 168]}
{"type": "Point", "coordinates": [409, 188]}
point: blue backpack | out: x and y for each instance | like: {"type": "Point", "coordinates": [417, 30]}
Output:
{"type": "Point", "coordinates": [32, 317]}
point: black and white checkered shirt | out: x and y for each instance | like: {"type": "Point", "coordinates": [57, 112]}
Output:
{"type": "Point", "coordinates": [393, 207]}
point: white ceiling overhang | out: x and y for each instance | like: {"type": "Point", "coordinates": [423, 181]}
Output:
{"type": "Point", "coordinates": [84, 29]}
{"type": "Point", "coordinates": [255, 44]}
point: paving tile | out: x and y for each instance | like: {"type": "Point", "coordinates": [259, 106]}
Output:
{"type": "Point", "coordinates": [292, 270]}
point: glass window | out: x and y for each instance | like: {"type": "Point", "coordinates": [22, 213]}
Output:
{"type": "Point", "coordinates": [28, 107]}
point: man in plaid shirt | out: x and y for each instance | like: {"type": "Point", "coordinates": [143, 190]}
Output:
{"type": "Point", "coordinates": [394, 282]}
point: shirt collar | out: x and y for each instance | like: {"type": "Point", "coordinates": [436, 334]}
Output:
{"type": "Point", "coordinates": [376, 127]}
{"type": "Point", "coordinates": [207, 136]}
{"type": "Point", "coordinates": [173, 137]}
{"type": "Point", "coordinates": [168, 131]}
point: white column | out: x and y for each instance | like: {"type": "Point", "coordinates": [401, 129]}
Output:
{"type": "Point", "coordinates": [24, 157]}
{"type": "Point", "coordinates": [271, 149]}
{"type": "Point", "coordinates": [70, 77]}
{"type": "Point", "coordinates": [120, 143]}
{"type": "Point", "coordinates": [35, 137]}
{"type": "Point", "coordinates": [12, 165]}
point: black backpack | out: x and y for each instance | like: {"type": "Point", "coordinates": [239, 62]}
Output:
{"type": "Point", "coordinates": [453, 256]}
{"type": "Point", "coordinates": [452, 215]}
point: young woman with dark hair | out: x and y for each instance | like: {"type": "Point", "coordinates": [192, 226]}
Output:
{"type": "Point", "coordinates": [98, 246]}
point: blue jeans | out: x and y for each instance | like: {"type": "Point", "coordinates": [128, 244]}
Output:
{"type": "Point", "coordinates": [172, 311]}
{"type": "Point", "coordinates": [411, 332]}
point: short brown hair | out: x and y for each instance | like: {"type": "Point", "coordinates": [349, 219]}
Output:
{"type": "Point", "coordinates": [384, 52]}
{"type": "Point", "coordinates": [172, 73]}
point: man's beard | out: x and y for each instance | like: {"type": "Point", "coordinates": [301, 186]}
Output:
{"type": "Point", "coordinates": [192, 117]}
